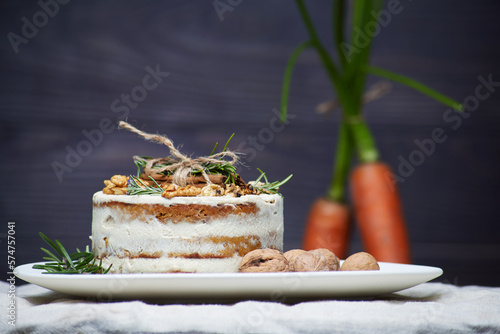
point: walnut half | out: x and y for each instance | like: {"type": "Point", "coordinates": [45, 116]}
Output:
{"type": "Point", "coordinates": [117, 185]}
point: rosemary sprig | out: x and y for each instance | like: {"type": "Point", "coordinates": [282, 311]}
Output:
{"type": "Point", "coordinates": [266, 186]}
{"type": "Point", "coordinates": [137, 187]}
{"type": "Point", "coordinates": [215, 147]}
{"type": "Point", "coordinates": [227, 142]}
{"type": "Point", "coordinates": [224, 169]}
{"type": "Point", "coordinates": [75, 263]}
{"type": "Point", "coordinates": [141, 163]}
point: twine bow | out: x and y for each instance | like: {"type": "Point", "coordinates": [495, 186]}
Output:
{"type": "Point", "coordinates": [178, 163]}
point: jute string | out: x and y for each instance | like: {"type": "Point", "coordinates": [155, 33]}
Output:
{"type": "Point", "coordinates": [178, 163]}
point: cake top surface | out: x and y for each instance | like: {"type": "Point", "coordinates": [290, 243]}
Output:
{"type": "Point", "coordinates": [101, 198]}
{"type": "Point", "coordinates": [178, 175]}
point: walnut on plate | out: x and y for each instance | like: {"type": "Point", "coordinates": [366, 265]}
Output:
{"type": "Point", "coordinates": [331, 259]}
{"type": "Point", "coordinates": [309, 261]}
{"type": "Point", "coordinates": [360, 261]}
{"type": "Point", "coordinates": [292, 254]}
{"type": "Point", "coordinates": [263, 260]}
{"type": "Point", "coordinates": [314, 260]}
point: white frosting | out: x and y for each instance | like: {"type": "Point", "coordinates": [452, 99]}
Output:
{"type": "Point", "coordinates": [119, 235]}
{"type": "Point", "coordinates": [99, 198]}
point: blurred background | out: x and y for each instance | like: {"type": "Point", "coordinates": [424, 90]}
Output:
{"type": "Point", "coordinates": [69, 75]}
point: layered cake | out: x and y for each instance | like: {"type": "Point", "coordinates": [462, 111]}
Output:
{"type": "Point", "coordinates": [143, 233]}
{"type": "Point", "coordinates": [206, 220]}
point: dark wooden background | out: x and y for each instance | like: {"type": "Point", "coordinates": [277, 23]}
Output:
{"type": "Point", "coordinates": [225, 77]}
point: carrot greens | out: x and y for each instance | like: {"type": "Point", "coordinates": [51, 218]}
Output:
{"type": "Point", "coordinates": [347, 73]}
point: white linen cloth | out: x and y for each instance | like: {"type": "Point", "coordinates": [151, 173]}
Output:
{"type": "Point", "coordinates": [426, 308]}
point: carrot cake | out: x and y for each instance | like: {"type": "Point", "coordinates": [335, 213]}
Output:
{"type": "Point", "coordinates": [205, 220]}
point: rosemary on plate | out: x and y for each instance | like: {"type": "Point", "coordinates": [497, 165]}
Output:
{"type": "Point", "coordinates": [65, 263]}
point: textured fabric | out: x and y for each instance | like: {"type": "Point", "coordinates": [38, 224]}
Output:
{"type": "Point", "coordinates": [426, 308]}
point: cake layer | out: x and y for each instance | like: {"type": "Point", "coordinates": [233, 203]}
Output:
{"type": "Point", "coordinates": [192, 213]}
{"type": "Point", "coordinates": [201, 247]}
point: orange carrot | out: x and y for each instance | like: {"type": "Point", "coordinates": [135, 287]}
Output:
{"type": "Point", "coordinates": [379, 214]}
{"type": "Point", "coordinates": [328, 227]}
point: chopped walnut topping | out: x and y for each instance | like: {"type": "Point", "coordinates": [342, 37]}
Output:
{"type": "Point", "coordinates": [109, 184]}
{"type": "Point", "coordinates": [117, 185]}
{"type": "Point", "coordinates": [212, 190]}
{"type": "Point", "coordinates": [251, 185]}
{"type": "Point", "coordinates": [232, 190]}
{"type": "Point", "coordinates": [119, 180]}
{"type": "Point", "coordinates": [170, 187]}
{"type": "Point", "coordinates": [248, 189]}
{"type": "Point", "coordinates": [189, 190]}
{"type": "Point", "coordinates": [119, 191]}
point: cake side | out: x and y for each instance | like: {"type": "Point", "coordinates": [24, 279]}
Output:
{"type": "Point", "coordinates": [142, 233]}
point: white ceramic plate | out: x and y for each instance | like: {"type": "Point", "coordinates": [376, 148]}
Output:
{"type": "Point", "coordinates": [391, 277]}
